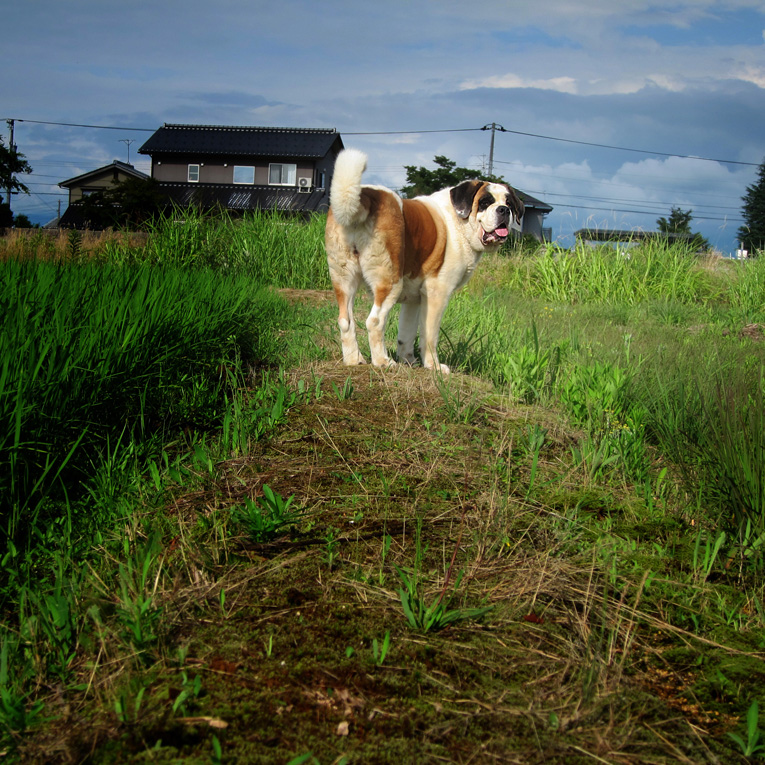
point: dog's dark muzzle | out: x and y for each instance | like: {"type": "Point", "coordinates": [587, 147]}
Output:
{"type": "Point", "coordinates": [503, 216]}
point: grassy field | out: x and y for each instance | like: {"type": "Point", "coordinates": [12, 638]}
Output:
{"type": "Point", "coordinates": [220, 545]}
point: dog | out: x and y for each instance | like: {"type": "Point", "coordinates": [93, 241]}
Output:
{"type": "Point", "coordinates": [416, 252]}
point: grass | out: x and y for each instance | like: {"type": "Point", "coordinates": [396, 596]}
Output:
{"type": "Point", "coordinates": [231, 548]}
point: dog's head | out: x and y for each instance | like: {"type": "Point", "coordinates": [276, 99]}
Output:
{"type": "Point", "coordinates": [489, 207]}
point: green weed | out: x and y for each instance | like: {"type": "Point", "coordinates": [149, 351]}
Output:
{"type": "Point", "coordinates": [530, 371]}
{"type": "Point", "coordinates": [751, 746]}
{"type": "Point", "coordinates": [268, 518]}
{"type": "Point", "coordinates": [461, 404]}
{"type": "Point", "coordinates": [436, 615]}
{"type": "Point", "coordinates": [380, 650]}
{"type": "Point", "coordinates": [138, 579]}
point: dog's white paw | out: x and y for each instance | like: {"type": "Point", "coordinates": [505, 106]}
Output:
{"type": "Point", "coordinates": [442, 368]}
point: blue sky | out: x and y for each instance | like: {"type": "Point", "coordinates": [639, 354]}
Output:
{"type": "Point", "coordinates": [684, 78]}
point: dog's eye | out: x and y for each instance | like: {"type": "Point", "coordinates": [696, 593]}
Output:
{"type": "Point", "coordinates": [484, 202]}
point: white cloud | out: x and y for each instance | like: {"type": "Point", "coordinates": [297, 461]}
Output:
{"type": "Point", "coordinates": [753, 74]}
{"type": "Point", "coordinates": [560, 84]}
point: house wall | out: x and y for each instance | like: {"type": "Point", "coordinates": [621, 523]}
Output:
{"type": "Point", "coordinates": [532, 224]}
{"type": "Point", "coordinates": [97, 183]}
{"type": "Point", "coordinates": [221, 169]}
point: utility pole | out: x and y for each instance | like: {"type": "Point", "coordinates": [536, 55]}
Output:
{"type": "Point", "coordinates": [127, 141]}
{"type": "Point", "coordinates": [12, 149]}
{"type": "Point", "coordinates": [493, 127]}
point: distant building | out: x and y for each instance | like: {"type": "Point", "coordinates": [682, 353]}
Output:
{"type": "Point", "coordinates": [534, 217]}
{"type": "Point", "coordinates": [244, 168]}
{"type": "Point", "coordinates": [82, 186]}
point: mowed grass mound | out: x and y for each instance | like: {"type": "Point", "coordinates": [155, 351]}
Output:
{"type": "Point", "coordinates": [565, 633]}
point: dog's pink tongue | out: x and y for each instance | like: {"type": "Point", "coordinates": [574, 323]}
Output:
{"type": "Point", "coordinates": [501, 231]}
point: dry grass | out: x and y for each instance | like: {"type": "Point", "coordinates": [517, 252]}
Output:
{"type": "Point", "coordinates": [56, 244]}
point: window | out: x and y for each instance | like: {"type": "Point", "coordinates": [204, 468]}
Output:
{"type": "Point", "coordinates": [244, 174]}
{"type": "Point", "coordinates": [193, 173]}
{"type": "Point", "coordinates": [282, 175]}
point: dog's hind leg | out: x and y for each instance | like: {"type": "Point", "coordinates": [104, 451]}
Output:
{"type": "Point", "coordinates": [407, 331]}
{"type": "Point", "coordinates": [345, 294]}
{"type": "Point", "coordinates": [384, 300]}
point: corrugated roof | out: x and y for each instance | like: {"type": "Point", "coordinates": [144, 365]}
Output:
{"type": "Point", "coordinates": [231, 197]}
{"type": "Point", "coordinates": [308, 143]}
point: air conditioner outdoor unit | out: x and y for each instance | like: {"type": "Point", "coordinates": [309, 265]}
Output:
{"type": "Point", "coordinates": [304, 185]}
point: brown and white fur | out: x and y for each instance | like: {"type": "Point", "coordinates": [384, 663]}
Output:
{"type": "Point", "coordinates": [416, 252]}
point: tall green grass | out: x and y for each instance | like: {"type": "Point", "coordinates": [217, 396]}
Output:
{"type": "Point", "coordinates": [604, 275]}
{"type": "Point", "coordinates": [269, 247]}
{"type": "Point", "coordinates": [646, 352]}
{"type": "Point", "coordinates": [91, 356]}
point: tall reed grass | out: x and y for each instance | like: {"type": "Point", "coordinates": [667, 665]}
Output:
{"type": "Point", "coordinates": [271, 248]}
{"type": "Point", "coordinates": [266, 246]}
{"type": "Point", "coordinates": [91, 355]}
{"type": "Point", "coordinates": [604, 275]}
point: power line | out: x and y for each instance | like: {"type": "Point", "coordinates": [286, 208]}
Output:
{"type": "Point", "coordinates": [608, 181]}
{"type": "Point", "coordinates": [97, 127]}
{"type": "Point", "coordinates": [499, 128]}
{"type": "Point", "coordinates": [642, 203]}
{"type": "Point", "coordinates": [413, 132]}
{"type": "Point", "coordinates": [728, 219]}
{"type": "Point", "coordinates": [625, 148]}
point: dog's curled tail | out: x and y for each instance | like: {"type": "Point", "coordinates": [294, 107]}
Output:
{"type": "Point", "coordinates": [345, 192]}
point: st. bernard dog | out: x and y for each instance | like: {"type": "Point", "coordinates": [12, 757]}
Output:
{"type": "Point", "coordinates": [416, 252]}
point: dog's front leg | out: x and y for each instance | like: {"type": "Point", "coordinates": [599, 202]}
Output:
{"type": "Point", "coordinates": [434, 303]}
{"type": "Point", "coordinates": [407, 331]}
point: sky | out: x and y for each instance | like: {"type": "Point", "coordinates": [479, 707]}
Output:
{"type": "Point", "coordinates": [611, 111]}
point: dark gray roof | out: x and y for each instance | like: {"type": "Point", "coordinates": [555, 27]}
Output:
{"type": "Point", "coordinates": [116, 165]}
{"type": "Point", "coordinates": [532, 202]}
{"type": "Point", "coordinates": [307, 143]}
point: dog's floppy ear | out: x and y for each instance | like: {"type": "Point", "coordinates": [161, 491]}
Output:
{"type": "Point", "coordinates": [515, 204]}
{"type": "Point", "coordinates": [463, 195]}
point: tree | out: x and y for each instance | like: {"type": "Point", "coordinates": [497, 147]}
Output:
{"type": "Point", "coordinates": [679, 223]}
{"type": "Point", "coordinates": [11, 162]}
{"type": "Point", "coordinates": [129, 203]}
{"type": "Point", "coordinates": [422, 181]}
{"type": "Point", "coordinates": [22, 221]}
{"type": "Point", "coordinates": [752, 234]}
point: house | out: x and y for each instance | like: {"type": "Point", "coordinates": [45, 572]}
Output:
{"type": "Point", "coordinates": [82, 186]}
{"type": "Point", "coordinates": [534, 217]}
{"type": "Point", "coordinates": [244, 168]}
